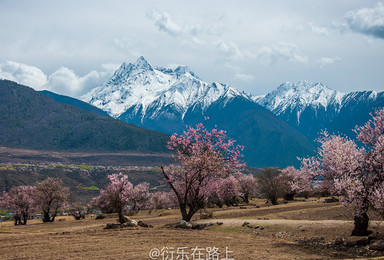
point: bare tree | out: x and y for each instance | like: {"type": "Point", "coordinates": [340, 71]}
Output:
{"type": "Point", "coordinates": [50, 196]}
{"type": "Point", "coordinates": [271, 185]}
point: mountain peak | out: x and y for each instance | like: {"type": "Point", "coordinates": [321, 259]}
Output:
{"type": "Point", "coordinates": [126, 71]}
{"type": "Point", "coordinates": [141, 62]}
{"type": "Point", "coordinates": [298, 96]}
{"type": "Point", "coordinates": [184, 70]}
{"type": "Point", "coordinates": [302, 85]}
{"type": "Point", "coordinates": [142, 89]}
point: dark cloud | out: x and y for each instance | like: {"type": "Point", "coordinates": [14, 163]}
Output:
{"type": "Point", "coordinates": [368, 21]}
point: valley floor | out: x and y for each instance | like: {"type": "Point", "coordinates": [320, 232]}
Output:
{"type": "Point", "coordinates": [297, 230]}
{"type": "Point", "coordinates": [16, 155]}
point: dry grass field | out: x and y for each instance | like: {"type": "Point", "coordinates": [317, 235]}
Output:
{"type": "Point", "coordinates": [297, 230]}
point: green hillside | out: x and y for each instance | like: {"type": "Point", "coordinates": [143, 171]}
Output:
{"type": "Point", "coordinates": [30, 119]}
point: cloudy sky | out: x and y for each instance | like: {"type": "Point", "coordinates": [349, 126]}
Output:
{"type": "Point", "coordinates": [72, 46]}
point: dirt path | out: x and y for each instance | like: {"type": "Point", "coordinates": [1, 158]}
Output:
{"type": "Point", "coordinates": [237, 222]}
{"type": "Point", "coordinates": [137, 243]}
{"type": "Point", "coordinates": [271, 234]}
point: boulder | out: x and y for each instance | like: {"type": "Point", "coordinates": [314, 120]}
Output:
{"type": "Point", "coordinates": [357, 241]}
{"type": "Point", "coordinates": [142, 224]}
{"type": "Point", "coordinates": [331, 200]}
{"type": "Point", "coordinates": [100, 216]}
{"type": "Point", "coordinates": [377, 245]}
{"type": "Point", "coordinates": [184, 224]}
{"type": "Point", "coordinates": [199, 226]}
{"type": "Point", "coordinates": [112, 226]}
{"type": "Point", "coordinates": [339, 241]}
{"type": "Point", "coordinates": [129, 223]}
{"type": "Point", "coordinates": [247, 224]}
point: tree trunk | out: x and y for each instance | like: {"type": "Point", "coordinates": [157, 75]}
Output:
{"type": "Point", "coordinates": [184, 213]}
{"type": "Point", "coordinates": [121, 216]}
{"type": "Point", "coordinates": [273, 201]}
{"type": "Point", "coordinates": [25, 218]}
{"type": "Point", "coordinates": [46, 217]}
{"type": "Point", "coordinates": [289, 196]}
{"type": "Point", "coordinates": [245, 199]}
{"type": "Point", "coordinates": [17, 220]}
{"type": "Point", "coordinates": [187, 217]}
{"type": "Point", "coordinates": [361, 225]}
{"type": "Point", "coordinates": [220, 205]}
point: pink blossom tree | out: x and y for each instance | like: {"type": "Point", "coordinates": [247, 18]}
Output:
{"type": "Point", "coordinates": [341, 164]}
{"type": "Point", "coordinates": [224, 191]}
{"type": "Point", "coordinates": [300, 180]}
{"type": "Point", "coordinates": [202, 157]}
{"type": "Point", "coordinates": [163, 200]}
{"type": "Point", "coordinates": [247, 186]}
{"type": "Point", "coordinates": [20, 200]}
{"type": "Point", "coordinates": [215, 194]}
{"type": "Point", "coordinates": [50, 196]}
{"type": "Point", "coordinates": [355, 173]}
{"type": "Point", "coordinates": [116, 196]}
{"type": "Point", "coordinates": [120, 196]}
{"type": "Point", "coordinates": [229, 191]}
{"type": "Point", "coordinates": [139, 197]}
{"type": "Point", "coordinates": [370, 180]}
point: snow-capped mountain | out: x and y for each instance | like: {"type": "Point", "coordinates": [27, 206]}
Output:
{"type": "Point", "coordinates": [142, 90]}
{"type": "Point", "coordinates": [313, 107]}
{"type": "Point", "coordinates": [169, 100]}
{"type": "Point", "coordinates": [299, 96]}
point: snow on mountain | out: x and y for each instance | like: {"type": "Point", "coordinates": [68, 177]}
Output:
{"type": "Point", "coordinates": [313, 107]}
{"type": "Point", "coordinates": [170, 100]}
{"type": "Point", "coordinates": [296, 97]}
{"type": "Point", "coordinates": [147, 88]}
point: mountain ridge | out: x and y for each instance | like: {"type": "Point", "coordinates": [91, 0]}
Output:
{"type": "Point", "coordinates": [313, 107]}
{"type": "Point", "coordinates": [170, 100]}
{"type": "Point", "coordinates": [140, 84]}
{"type": "Point", "coordinates": [32, 120]}
{"type": "Point", "coordinates": [74, 102]}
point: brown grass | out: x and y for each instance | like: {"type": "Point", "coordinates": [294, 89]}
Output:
{"type": "Point", "coordinates": [281, 237]}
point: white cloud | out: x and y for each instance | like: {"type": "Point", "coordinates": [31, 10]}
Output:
{"type": "Point", "coordinates": [62, 81]}
{"type": "Point", "coordinates": [164, 22]}
{"type": "Point", "coordinates": [231, 51]}
{"type": "Point", "coordinates": [245, 77]}
{"type": "Point", "coordinates": [368, 21]}
{"type": "Point", "coordinates": [23, 74]}
{"type": "Point", "coordinates": [324, 61]}
{"type": "Point", "coordinates": [65, 79]}
{"type": "Point", "coordinates": [213, 26]}
{"type": "Point", "coordinates": [320, 30]}
{"type": "Point", "coordinates": [281, 51]}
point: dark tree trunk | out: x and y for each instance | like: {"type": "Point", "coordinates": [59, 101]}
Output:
{"type": "Point", "coordinates": [273, 201]}
{"type": "Point", "coordinates": [25, 218]}
{"type": "Point", "coordinates": [220, 205]}
{"type": "Point", "coordinates": [121, 217]}
{"type": "Point", "coordinates": [47, 218]}
{"type": "Point", "coordinates": [245, 199]}
{"type": "Point", "coordinates": [361, 225]}
{"type": "Point", "coordinates": [185, 214]}
{"type": "Point", "coordinates": [17, 220]}
{"type": "Point", "coordinates": [187, 217]}
{"type": "Point", "coordinates": [289, 196]}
